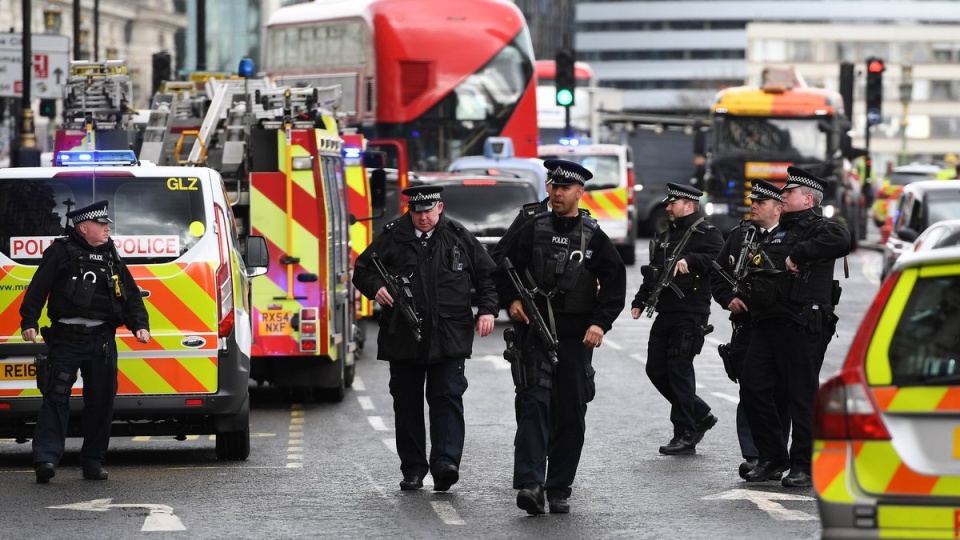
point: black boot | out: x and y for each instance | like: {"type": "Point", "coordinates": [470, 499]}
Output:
{"type": "Point", "coordinates": [680, 446]}
{"type": "Point", "coordinates": [530, 498]}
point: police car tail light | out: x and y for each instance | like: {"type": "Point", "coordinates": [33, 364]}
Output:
{"type": "Point", "coordinates": [224, 278]}
{"type": "Point", "coordinates": [843, 408]}
{"type": "Point", "coordinates": [631, 183]}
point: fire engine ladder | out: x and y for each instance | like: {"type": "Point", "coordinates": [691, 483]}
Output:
{"type": "Point", "coordinates": [177, 109]}
{"type": "Point", "coordinates": [96, 96]}
{"type": "Point", "coordinates": [227, 97]}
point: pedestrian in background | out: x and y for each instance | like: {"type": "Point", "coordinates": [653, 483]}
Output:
{"type": "Point", "coordinates": [677, 334]}
{"type": "Point", "coordinates": [443, 261]}
{"type": "Point", "coordinates": [741, 246]}
{"type": "Point", "coordinates": [581, 287]}
{"type": "Point", "coordinates": [89, 293]}
{"type": "Point", "coordinates": [793, 296]}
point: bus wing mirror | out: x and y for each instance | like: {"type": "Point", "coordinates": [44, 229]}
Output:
{"type": "Point", "coordinates": [256, 257]}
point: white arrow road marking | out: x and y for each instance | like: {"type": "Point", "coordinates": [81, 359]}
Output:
{"type": "Point", "coordinates": [765, 501]}
{"type": "Point", "coordinates": [160, 518]}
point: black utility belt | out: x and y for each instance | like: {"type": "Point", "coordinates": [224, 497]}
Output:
{"type": "Point", "coordinates": [79, 332]}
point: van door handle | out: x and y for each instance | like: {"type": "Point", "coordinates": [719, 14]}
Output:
{"type": "Point", "coordinates": [144, 293]}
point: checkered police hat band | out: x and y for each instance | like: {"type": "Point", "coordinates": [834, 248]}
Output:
{"type": "Point", "coordinates": [804, 181]}
{"type": "Point", "coordinates": [762, 192]}
{"type": "Point", "coordinates": [94, 214]}
{"type": "Point", "coordinates": [429, 197]}
{"type": "Point", "coordinates": [570, 175]}
{"type": "Point", "coordinates": [680, 194]}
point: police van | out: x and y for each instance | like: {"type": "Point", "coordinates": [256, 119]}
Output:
{"type": "Point", "coordinates": [175, 230]}
{"type": "Point", "coordinates": [609, 195]}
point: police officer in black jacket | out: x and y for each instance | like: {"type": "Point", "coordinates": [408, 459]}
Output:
{"type": "Point", "coordinates": [793, 295]}
{"type": "Point", "coordinates": [729, 290]}
{"type": "Point", "coordinates": [677, 334]}
{"type": "Point", "coordinates": [89, 293]}
{"type": "Point", "coordinates": [442, 261]}
{"type": "Point", "coordinates": [565, 254]}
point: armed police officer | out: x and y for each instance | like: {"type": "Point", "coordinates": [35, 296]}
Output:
{"type": "Point", "coordinates": [728, 285]}
{"type": "Point", "coordinates": [793, 295]}
{"type": "Point", "coordinates": [426, 333]}
{"type": "Point", "coordinates": [676, 285]}
{"type": "Point", "coordinates": [580, 285]}
{"type": "Point", "coordinates": [89, 293]}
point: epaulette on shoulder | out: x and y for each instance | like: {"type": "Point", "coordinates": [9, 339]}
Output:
{"type": "Point", "coordinates": [529, 210]}
{"type": "Point", "coordinates": [585, 212]}
{"type": "Point", "coordinates": [392, 225]}
{"type": "Point", "coordinates": [588, 221]}
{"type": "Point", "coordinates": [457, 226]}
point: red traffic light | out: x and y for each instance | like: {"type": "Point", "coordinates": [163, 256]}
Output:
{"type": "Point", "coordinates": [875, 66]}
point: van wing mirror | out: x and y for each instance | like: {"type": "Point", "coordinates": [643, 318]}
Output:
{"type": "Point", "coordinates": [378, 190]}
{"type": "Point", "coordinates": [257, 257]}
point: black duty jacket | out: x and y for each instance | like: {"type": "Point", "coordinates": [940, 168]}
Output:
{"type": "Point", "coordinates": [440, 287]}
{"type": "Point", "coordinates": [701, 250]}
{"type": "Point", "coordinates": [51, 278]}
{"type": "Point", "coordinates": [601, 258]}
{"type": "Point", "coordinates": [722, 289]}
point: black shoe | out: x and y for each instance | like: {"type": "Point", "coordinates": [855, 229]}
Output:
{"type": "Point", "coordinates": [98, 473]}
{"type": "Point", "coordinates": [680, 445]}
{"type": "Point", "coordinates": [411, 482]}
{"type": "Point", "coordinates": [45, 471]}
{"type": "Point", "coordinates": [445, 476]}
{"type": "Point", "coordinates": [751, 464]}
{"type": "Point", "coordinates": [797, 478]}
{"type": "Point", "coordinates": [765, 470]}
{"type": "Point", "coordinates": [530, 498]}
{"type": "Point", "coordinates": [558, 505]}
{"type": "Point", "coordinates": [703, 426]}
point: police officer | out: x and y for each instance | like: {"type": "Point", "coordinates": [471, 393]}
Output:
{"type": "Point", "coordinates": [677, 334]}
{"type": "Point", "coordinates": [89, 293]}
{"type": "Point", "coordinates": [792, 299]}
{"type": "Point", "coordinates": [728, 288]}
{"type": "Point", "coordinates": [442, 261]}
{"type": "Point", "coordinates": [565, 255]}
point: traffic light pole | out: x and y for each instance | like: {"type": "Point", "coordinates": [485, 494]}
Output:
{"type": "Point", "coordinates": [567, 130]}
{"type": "Point", "coordinates": [27, 154]}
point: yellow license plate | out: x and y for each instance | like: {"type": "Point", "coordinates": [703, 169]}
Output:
{"type": "Point", "coordinates": [18, 372]}
{"type": "Point", "coordinates": [275, 323]}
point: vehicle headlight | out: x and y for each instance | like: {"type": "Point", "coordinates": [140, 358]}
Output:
{"type": "Point", "coordinates": [829, 210]}
{"type": "Point", "coordinates": [716, 208]}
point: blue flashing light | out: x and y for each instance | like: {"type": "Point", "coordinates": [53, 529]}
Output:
{"type": "Point", "coordinates": [246, 68]}
{"type": "Point", "coordinates": [415, 133]}
{"type": "Point", "coordinates": [351, 152]}
{"type": "Point", "coordinates": [569, 141]}
{"type": "Point", "coordinates": [96, 157]}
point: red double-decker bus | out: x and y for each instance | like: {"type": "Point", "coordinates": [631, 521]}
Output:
{"type": "Point", "coordinates": [440, 76]}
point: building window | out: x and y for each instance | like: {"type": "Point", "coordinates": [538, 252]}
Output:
{"type": "Point", "coordinates": [944, 90]}
{"type": "Point", "coordinates": [801, 51]}
{"type": "Point", "coordinates": [946, 127]}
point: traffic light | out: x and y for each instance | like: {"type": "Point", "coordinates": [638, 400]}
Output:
{"type": "Point", "coordinates": [565, 80]}
{"type": "Point", "coordinates": [161, 69]}
{"type": "Point", "coordinates": [48, 108]}
{"type": "Point", "coordinates": [875, 69]}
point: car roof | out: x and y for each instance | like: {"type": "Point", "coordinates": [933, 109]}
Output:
{"type": "Point", "coordinates": [483, 162]}
{"type": "Point", "coordinates": [442, 178]}
{"type": "Point", "coordinates": [917, 168]}
{"type": "Point", "coordinates": [934, 257]}
{"type": "Point", "coordinates": [926, 186]}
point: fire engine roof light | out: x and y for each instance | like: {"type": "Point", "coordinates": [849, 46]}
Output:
{"type": "Point", "coordinates": [96, 157]}
{"type": "Point", "coordinates": [246, 68]}
{"type": "Point", "coordinates": [351, 152]}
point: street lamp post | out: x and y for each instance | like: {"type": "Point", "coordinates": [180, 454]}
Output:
{"type": "Point", "coordinates": [906, 94]}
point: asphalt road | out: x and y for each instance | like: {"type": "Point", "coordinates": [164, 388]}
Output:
{"type": "Point", "coordinates": [321, 470]}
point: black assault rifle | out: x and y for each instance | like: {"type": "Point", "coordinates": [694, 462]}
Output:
{"type": "Point", "coordinates": [399, 289]}
{"type": "Point", "coordinates": [740, 266]}
{"type": "Point", "coordinates": [530, 308]}
{"type": "Point", "coordinates": [665, 278]}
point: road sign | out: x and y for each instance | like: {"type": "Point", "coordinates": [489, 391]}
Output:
{"type": "Point", "coordinates": [51, 65]}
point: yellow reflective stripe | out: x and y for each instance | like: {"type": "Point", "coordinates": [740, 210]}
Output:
{"type": "Point", "coordinates": [947, 486]}
{"type": "Point", "coordinates": [916, 399]}
{"type": "Point", "coordinates": [271, 220]}
{"type": "Point", "coordinates": [920, 521]}
{"type": "Point", "coordinates": [878, 354]}
{"type": "Point", "coordinates": [142, 375]}
{"type": "Point", "coordinates": [356, 179]}
{"type": "Point", "coordinates": [204, 370]}
{"type": "Point", "coordinates": [875, 465]}
{"type": "Point", "coordinates": [939, 270]}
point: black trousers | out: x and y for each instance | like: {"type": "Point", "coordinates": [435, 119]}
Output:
{"type": "Point", "coordinates": [446, 383]}
{"type": "Point", "coordinates": [97, 362]}
{"type": "Point", "coordinates": [551, 422]}
{"type": "Point", "coordinates": [670, 369]}
{"type": "Point", "coordinates": [783, 356]}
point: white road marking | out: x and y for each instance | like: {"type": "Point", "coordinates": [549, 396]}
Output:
{"type": "Point", "coordinates": [160, 518]}
{"type": "Point", "coordinates": [714, 340]}
{"type": "Point", "coordinates": [612, 344]}
{"type": "Point", "coordinates": [731, 399]}
{"type": "Point", "coordinates": [377, 423]}
{"type": "Point", "coordinates": [497, 361]}
{"type": "Point", "coordinates": [358, 384]}
{"type": "Point", "coordinates": [447, 513]}
{"type": "Point", "coordinates": [638, 358]}
{"type": "Point", "coordinates": [365, 403]}
{"type": "Point", "coordinates": [765, 501]}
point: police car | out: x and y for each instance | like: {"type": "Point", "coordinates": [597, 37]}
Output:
{"type": "Point", "coordinates": [175, 231]}
{"type": "Point", "coordinates": [886, 460]}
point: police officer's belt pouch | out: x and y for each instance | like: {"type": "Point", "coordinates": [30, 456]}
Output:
{"type": "Point", "coordinates": [80, 289]}
{"type": "Point", "coordinates": [50, 381]}
{"type": "Point", "coordinates": [574, 267]}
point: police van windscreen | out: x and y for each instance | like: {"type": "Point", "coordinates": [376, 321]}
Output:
{"type": "Point", "coordinates": [605, 169]}
{"type": "Point", "coordinates": [155, 220]}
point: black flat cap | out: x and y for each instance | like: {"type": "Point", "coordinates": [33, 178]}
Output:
{"type": "Point", "coordinates": [681, 191]}
{"type": "Point", "coordinates": [422, 198]}
{"type": "Point", "coordinates": [797, 177]}
{"type": "Point", "coordinates": [563, 172]}
{"type": "Point", "coordinates": [763, 190]}
{"type": "Point", "coordinates": [94, 212]}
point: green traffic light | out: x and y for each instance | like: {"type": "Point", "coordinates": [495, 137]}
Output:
{"type": "Point", "coordinates": [564, 97]}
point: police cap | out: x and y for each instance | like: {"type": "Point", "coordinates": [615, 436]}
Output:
{"type": "Point", "coordinates": [94, 212]}
{"type": "Point", "coordinates": [422, 198]}
{"type": "Point", "coordinates": [681, 191]}
{"type": "Point", "coordinates": [797, 177]}
{"type": "Point", "coordinates": [564, 173]}
{"type": "Point", "coordinates": [763, 191]}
